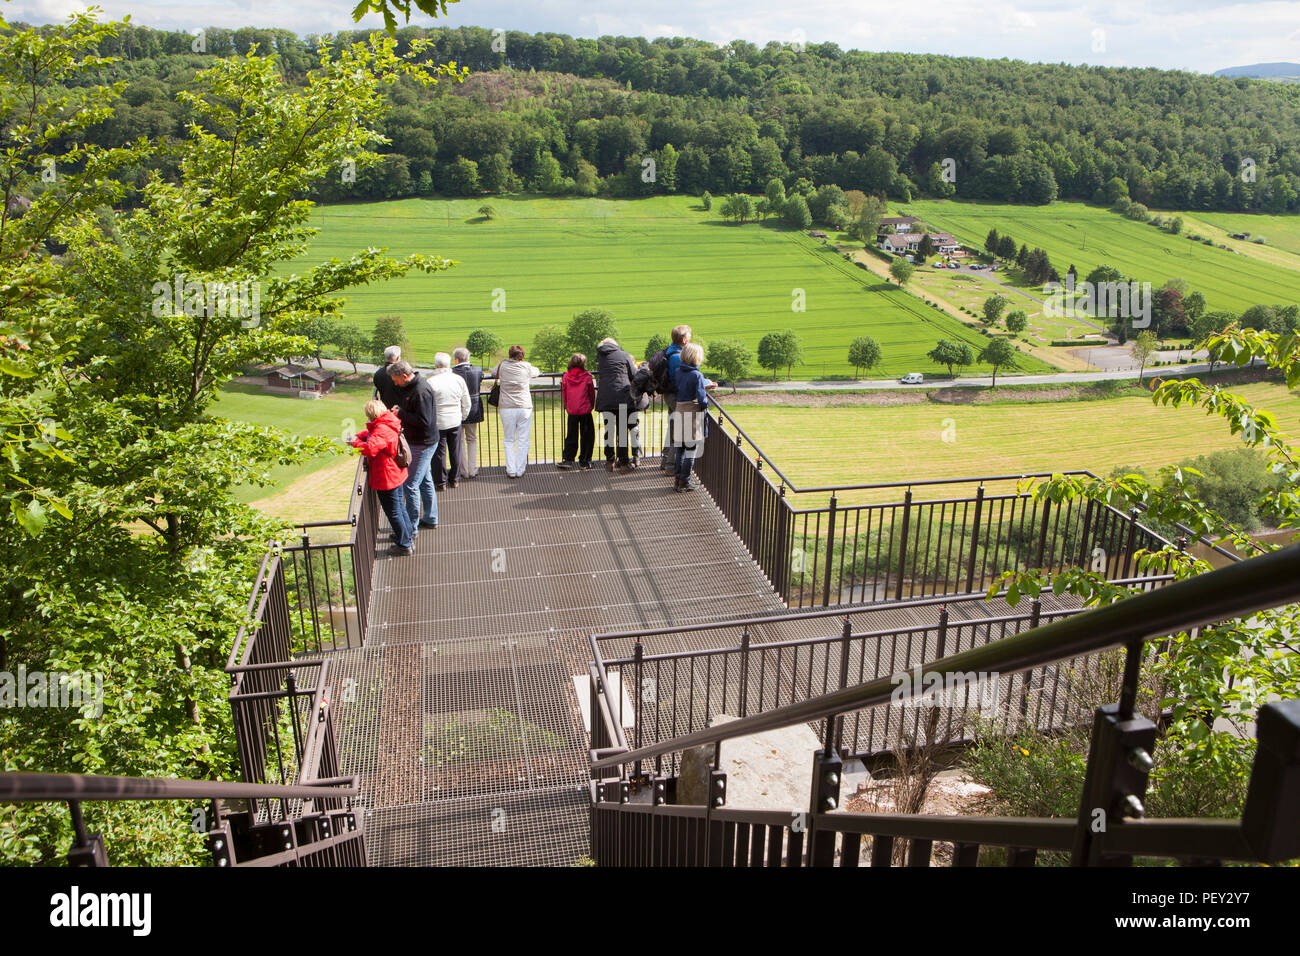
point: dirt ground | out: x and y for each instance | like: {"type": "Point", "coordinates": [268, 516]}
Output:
{"type": "Point", "coordinates": [952, 793]}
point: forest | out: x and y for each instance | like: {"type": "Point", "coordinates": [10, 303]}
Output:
{"type": "Point", "coordinates": [561, 115]}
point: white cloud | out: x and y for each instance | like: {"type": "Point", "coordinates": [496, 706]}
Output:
{"type": "Point", "coordinates": [1200, 35]}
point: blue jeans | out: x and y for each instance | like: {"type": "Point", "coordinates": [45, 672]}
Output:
{"type": "Point", "coordinates": [393, 501]}
{"type": "Point", "coordinates": [685, 459]}
{"type": "Point", "coordinates": [420, 499]}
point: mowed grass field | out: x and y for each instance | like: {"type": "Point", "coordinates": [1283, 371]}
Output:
{"type": "Point", "coordinates": [1089, 236]}
{"type": "Point", "coordinates": [1279, 232]}
{"type": "Point", "coordinates": [328, 417]}
{"type": "Point", "coordinates": [653, 263]}
{"type": "Point", "coordinates": [820, 446]}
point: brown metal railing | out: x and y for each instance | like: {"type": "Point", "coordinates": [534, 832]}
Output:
{"type": "Point", "coordinates": [841, 553]}
{"type": "Point", "coordinates": [1119, 761]}
{"type": "Point", "coordinates": [327, 831]}
{"type": "Point", "coordinates": [671, 692]}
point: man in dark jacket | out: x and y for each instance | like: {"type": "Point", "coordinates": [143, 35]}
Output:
{"type": "Point", "coordinates": [617, 403]}
{"type": "Point", "coordinates": [384, 387]}
{"type": "Point", "coordinates": [473, 376]}
{"type": "Point", "coordinates": [418, 410]}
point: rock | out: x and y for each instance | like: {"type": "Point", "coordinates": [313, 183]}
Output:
{"type": "Point", "coordinates": [766, 771]}
{"type": "Point", "coordinates": [693, 776]}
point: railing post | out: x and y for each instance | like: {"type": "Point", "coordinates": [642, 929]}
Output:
{"type": "Point", "coordinates": [1132, 539]}
{"type": "Point", "coordinates": [87, 848]}
{"type": "Point", "coordinates": [1268, 820]}
{"type": "Point", "coordinates": [782, 584]}
{"type": "Point", "coordinates": [1035, 615]}
{"type": "Point", "coordinates": [638, 652]}
{"type": "Point", "coordinates": [311, 589]}
{"type": "Point", "coordinates": [744, 673]}
{"type": "Point", "coordinates": [902, 547]}
{"type": "Point", "coordinates": [830, 553]}
{"type": "Point", "coordinates": [1119, 761]}
{"type": "Point", "coordinates": [975, 539]}
{"type": "Point", "coordinates": [717, 797]}
{"type": "Point", "coordinates": [1042, 532]}
{"type": "Point", "coordinates": [846, 637]}
{"type": "Point", "coordinates": [827, 772]}
{"type": "Point", "coordinates": [1085, 546]}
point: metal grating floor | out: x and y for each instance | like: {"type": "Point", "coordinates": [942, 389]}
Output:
{"type": "Point", "coordinates": [459, 714]}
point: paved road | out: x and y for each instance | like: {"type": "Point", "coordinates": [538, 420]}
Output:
{"type": "Point", "coordinates": [1058, 378]}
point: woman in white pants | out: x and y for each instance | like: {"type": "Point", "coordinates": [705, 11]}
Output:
{"type": "Point", "coordinates": [516, 408]}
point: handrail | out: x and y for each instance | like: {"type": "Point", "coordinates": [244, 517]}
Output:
{"type": "Point", "coordinates": [841, 610]}
{"type": "Point", "coordinates": [256, 604]}
{"type": "Point", "coordinates": [804, 642]}
{"type": "Point", "coordinates": [32, 787]}
{"type": "Point", "coordinates": [1230, 592]}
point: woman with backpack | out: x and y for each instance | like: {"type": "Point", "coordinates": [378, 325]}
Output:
{"type": "Point", "coordinates": [387, 455]}
{"type": "Point", "coordinates": [578, 394]}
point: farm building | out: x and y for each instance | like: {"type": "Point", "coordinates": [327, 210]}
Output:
{"type": "Point", "coordinates": [307, 382]}
{"type": "Point", "coordinates": [899, 223]}
{"type": "Point", "coordinates": [902, 242]}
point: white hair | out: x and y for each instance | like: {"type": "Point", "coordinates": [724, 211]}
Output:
{"type": "Point", "coordinates": [460, 355]}
{"type": "Point", "coordinates": [606, 341]}
{"type": "Point", "coordinates": [442, 360]}
{"type": "Point", "coordinates": [392, 354]}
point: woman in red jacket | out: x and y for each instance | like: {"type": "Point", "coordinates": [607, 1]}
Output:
{"type": "Point", "coordinates": [579, 396]}
{"type": "Point", "coordinates": [379, 444]}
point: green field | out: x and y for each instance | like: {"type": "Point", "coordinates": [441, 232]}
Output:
{"type": "Point", "coordinates": [328, 417]}
{"type": "Point", "coordinates": [653, 263]}
{"type": "Point", "coordinates": [1089, 236]}
{"type": "Point", "coordinates": [907, 442]}
{"type": "Point", "coordinates": [1278, 232]}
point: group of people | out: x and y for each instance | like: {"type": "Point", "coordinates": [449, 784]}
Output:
{"type": "Point", "coordinates": [624, 392]}
{"type": "Point", "coordinates": [421, 435]}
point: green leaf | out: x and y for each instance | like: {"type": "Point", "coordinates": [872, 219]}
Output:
{"type": "Point", "coordinates": [10, 367]}
{"type": "Point", "coordinates": [31, 517]}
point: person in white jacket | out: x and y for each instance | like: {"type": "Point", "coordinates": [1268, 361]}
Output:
{"type": "Point", "coordinates": [452, 399]}
{"type": "Point", "coordinates": [514, 375]}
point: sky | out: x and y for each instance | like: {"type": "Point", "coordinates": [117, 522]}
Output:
{"type": "Point", "coordinates": [1196, 35]}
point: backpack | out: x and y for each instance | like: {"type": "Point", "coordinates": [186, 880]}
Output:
{"type": "Point", "coordinates": [658, 367]}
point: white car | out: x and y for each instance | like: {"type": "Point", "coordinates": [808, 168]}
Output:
{"type": "Point", "coordinates": [912, 378]}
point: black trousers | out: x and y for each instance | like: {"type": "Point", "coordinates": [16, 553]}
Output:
{"type": "Point", "coordinates": [623, 435]}
{"type": "Point", "coordinates": [580, 427]}
{"type": "Point", "coordinates": [449, 439]}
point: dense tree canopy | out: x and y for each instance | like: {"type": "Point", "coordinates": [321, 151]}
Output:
{"type": "Point", "coordinates": [732, 118]}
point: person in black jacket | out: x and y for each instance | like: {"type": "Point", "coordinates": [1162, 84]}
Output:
{"type": "Point", "coordinates": [618, 403]}
{"type": "Point", "coordinates": [473, 376]}
{"type": "Point", "coordinates": [418, 411]}
{"type": "Point", "coordinates": [385, 390]}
